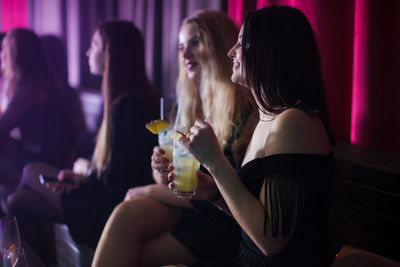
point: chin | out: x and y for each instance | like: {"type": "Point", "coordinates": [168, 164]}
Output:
{"type": "Point", "coordinates": [194, 76]}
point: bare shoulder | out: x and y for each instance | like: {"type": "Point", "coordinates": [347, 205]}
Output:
{"type": "Point", "coordinates": [295, 131]}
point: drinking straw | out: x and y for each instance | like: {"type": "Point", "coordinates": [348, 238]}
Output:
{"type": "Point", "coordinates": [162, 108]}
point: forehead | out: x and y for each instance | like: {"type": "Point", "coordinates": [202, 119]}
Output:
{"type": "Point", "coordinates": [241, 30]}
{"type": "Point", "coordinates": [188, 31]}
{"type": "Point", "coordinates": [97, 37]}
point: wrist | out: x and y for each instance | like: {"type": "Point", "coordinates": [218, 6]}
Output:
{"type": "Point", "coordinates": [215, 167]}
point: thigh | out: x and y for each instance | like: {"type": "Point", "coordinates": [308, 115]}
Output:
{"type": "Point", "coordinates": [147, 217]}
{"type": "Point", "coordinates": [30, 178]}
{"type": "Point", "coordinates": [131, 224]}
{"type": "Point", "coordinates": [165, 249]}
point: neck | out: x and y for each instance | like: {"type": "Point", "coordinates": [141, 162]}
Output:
{"type": "Point", "coordinates": [264, 117]}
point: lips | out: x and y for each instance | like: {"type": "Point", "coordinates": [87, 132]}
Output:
{"type": "Point", "coordinates": [235, 65]}
{"type": "Point", "coordinates": [190, 65]}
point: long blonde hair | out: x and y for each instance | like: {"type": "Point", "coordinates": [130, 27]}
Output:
{"type": "Point", "coordinates": [124, 74]}
{"type": "Point", "coordinates": [216, 95]}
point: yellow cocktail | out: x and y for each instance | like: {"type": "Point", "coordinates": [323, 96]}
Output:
{"type": "Point", "coordinates": [185, 167]}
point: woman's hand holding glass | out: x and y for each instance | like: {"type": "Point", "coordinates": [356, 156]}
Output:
{"type": "Point", "coordinates": [81, 166]}
{"type": "Point", "coordinates": [202, 142]}
{"type": "Point", "coordinates": [206, 187]}
{"type": "Point", "coordinates": [159, 163]}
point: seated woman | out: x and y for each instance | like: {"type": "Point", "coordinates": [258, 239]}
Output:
{"type": "Point", "coordinates": [280, 196]}
{"type": "Point", "coordinates": [34, 122]}
{"type": "Point", "coordinates": [199, 231]}
{"type": "Point", "coordinates": [83, 198]}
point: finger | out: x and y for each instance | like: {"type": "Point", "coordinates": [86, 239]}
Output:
{"type": "Point", "coordinates": [159, 159]}
{"type": "Point", "coordinates": [171, 167]}
{"type": "Point", "coordinates": [60, 175]}
{"type": "Point", "coordinates": [171, 176]}
{"type": "Point", "coordinates": [200, 123]}
{"type": "Point", "coordinates": [158, 149]}
{"type": "Point", "coordinates": [184, 141]}
{"type": "Point", "coordinates": [194, 129]}
{"type": "Point", "coordinates": [171, 185]}
{"type": "Point", "coordinates": [159, 167]}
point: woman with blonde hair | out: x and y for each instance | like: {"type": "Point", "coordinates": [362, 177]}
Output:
{"type": "Point", "coordinates": [153, 227]}
{"type": "Point", "coordinates": [84, 197]}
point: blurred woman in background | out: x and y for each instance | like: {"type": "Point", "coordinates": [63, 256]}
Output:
{"type": "Point", "coordinates": [84, 197]}
{"type": "Point", "coordinates": [34, 122]}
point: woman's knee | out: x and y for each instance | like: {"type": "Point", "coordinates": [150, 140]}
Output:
{"type": "Point", "coordinates": [145, 217]}
{"type": "Point", "coordinates": [17, 203]}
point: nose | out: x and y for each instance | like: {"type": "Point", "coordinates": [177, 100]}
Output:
{"type": "Point", "coordinates": [232, 52]}
{"type": "Point", "coordinates": [187, 52]}
{"type": "Point", "coordinates": [88, 52]}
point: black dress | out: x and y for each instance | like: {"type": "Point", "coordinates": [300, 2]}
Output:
{"type": "Point", "coordinates": [87, 209]}
{"type": "Point", "coordinates": [296, 181]}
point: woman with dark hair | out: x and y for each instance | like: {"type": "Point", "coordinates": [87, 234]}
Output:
{"type": "Point", "coordinates": [34, 122]}
{"type": "Point", "coordinates": [280, 196]}
{"type": "Point", "coordinates": [84, 197]}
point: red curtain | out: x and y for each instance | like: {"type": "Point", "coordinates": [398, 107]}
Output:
{"type": "Point", "coordinates": [359, 42]}
{"type": "Point", "coordinates": [13, 14]}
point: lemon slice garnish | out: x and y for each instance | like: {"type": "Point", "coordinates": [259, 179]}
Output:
{"type": "Point", "coordinates": [177, 135]}
{"type": "Point", "coordinates": [157, 126]}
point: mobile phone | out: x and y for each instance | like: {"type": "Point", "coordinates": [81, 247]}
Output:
{"type": "Point", "coordinates": [50, 179]}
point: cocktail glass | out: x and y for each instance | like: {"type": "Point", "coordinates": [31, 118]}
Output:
{"type": "Point", "coordinates": [185, 167]}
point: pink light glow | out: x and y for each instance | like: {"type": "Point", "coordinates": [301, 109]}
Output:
{"type": "Point", "coordinates": [14, 14]}
{"type": "Point", "coordinates": [235, 11]}
{"type": "Point", "coordinates": [359, 99]}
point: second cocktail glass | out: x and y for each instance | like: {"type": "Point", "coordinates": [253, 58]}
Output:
{"type": "Point", "coordinates": [165, 142]}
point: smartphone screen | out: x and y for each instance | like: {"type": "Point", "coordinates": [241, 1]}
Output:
{"type": "Point", "coordinates": [50, 179]}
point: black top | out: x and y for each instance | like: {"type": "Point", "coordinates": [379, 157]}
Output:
{"type": "Point", "coordinates": [296, 181]}
{"type": "Point", "coordinates": [41, 127]}
{"type": "Point", "coordinates": [87, 209]}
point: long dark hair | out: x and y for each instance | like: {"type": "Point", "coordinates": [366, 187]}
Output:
{"type": "Point", "coordinates": [124, 74]}
{"type": "Point", "coordinates": [28, 62]}
{"type": "Point", "coordinates": [281, 61]}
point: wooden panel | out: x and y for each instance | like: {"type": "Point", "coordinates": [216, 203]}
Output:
{"type": "Point", "coordinates": [365, 210]}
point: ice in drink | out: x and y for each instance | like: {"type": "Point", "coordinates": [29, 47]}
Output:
{"type": "Point", "coordinates": [165, 142]}
{"type": "Point", "coordinates": [185, 167]}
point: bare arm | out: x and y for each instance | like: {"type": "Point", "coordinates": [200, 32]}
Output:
{"type": "Point", "coordinates": [247, 210]}
{"type": "Point", "coordinates": [291, 132]}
